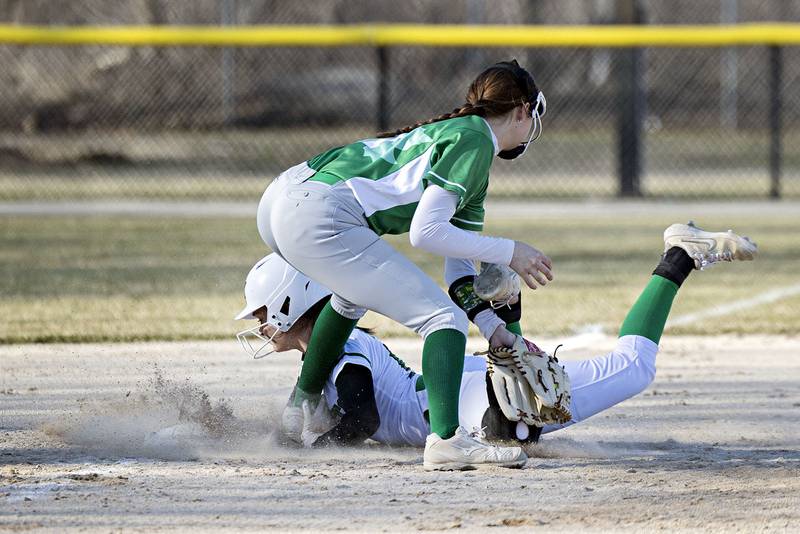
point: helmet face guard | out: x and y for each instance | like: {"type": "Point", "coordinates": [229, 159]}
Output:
{"type": "Point", "coordinates": [536, 129]}
{"type": "Point", "coordinates": [256, 344]}
{"type": "Point", "coordinates": [534, 97]}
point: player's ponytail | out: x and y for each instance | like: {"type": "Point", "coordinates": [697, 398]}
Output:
{"type": "Point", "coordinates": [496, 91]}
{"type": "Point", "coordinates": [463, 111]}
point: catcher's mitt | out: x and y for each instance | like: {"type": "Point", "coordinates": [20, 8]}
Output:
{"type": "Point", "coordinates": [530, 385]}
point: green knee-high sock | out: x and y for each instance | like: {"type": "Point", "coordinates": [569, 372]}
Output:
{"type": "Point", "coordinates": [327, 341]}
{"type": "Point", "coordinates": [514, 328]}
{"type": "Point", "coordinates": [649, 314]}
{"type": "Point", "coordinates": [442, 365]}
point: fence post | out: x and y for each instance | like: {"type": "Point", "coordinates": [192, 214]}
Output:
{"type": "Point", "coordinates": [383, 89]}
{"type": "Point", "coordinates": [228, 16]}
{"type": "Point", "coordinates": [631, 107]}
{"type": "Point", "coordinates": [775, 104]}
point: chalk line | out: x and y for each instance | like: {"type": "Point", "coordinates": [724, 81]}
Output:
{"type": "Point", "coordinates": [767, 297]}
{"type": "Point", "coordinates": [592, 333]}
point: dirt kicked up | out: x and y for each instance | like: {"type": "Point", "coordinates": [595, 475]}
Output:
{"type": "Point", "coordinates": [166, 436]}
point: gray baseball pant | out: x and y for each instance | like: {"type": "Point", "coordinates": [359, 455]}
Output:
{"type": "Point", "coordinates": [322, 232]}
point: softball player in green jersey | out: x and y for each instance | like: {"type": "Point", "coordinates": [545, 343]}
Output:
{"type": "Point", "coordinates": [325, 218]}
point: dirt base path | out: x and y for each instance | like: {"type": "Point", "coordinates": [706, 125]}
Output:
{"type": "Point", "coordinates": [712, 445]}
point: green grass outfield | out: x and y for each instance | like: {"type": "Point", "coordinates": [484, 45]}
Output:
{"type": "Point", "coordinates": [125, 278]}
{"type": "Point", "coordinates": [566, 163]}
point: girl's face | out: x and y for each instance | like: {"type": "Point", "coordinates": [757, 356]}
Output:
{"type": "Point", "coordinates": [282, 341]}
{"type": "Point", "coordinates": [522, 124]}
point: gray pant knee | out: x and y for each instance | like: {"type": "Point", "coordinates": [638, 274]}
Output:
{"type": "Point", "coordinates": [347, 309]}
{"type": "Point", "coordinates": [451, 318]}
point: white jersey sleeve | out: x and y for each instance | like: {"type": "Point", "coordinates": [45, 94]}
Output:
{"type": "Point", "coordinates": [432, 230]}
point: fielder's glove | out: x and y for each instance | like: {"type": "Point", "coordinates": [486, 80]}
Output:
{"type": "Point", "coordinates": [497, 285]}
{"type": "Point", "coordinates": [530, 385]}
{"type": "Point", "coordinates": [316, 422]}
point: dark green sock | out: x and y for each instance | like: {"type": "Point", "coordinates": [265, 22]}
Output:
{"type": "Point", "coordinates": [442, 365]}
{"type": "Point", "coordinates": [325, 347]}
{"type": "Point", "coordinates": [514, 328]}
{"type": "Point", "coordinates": [649, 314]}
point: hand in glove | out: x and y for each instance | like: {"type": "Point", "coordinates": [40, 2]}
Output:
{"type": "Point", "coordinates": [316, 423]}
{"type": "Point", "coordinates": [292, 422]}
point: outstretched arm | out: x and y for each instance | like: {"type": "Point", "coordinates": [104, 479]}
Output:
{"type": "Point", "coordinates": [432, 230]}
{"type": "Point", "coordinates": [357, 400]}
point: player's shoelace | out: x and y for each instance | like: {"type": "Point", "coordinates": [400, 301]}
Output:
{"type": "Point", "coordinates": [478, 434]}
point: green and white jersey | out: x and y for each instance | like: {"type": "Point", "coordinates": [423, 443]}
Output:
{"type": "Point", "coordinates": [388, 176]}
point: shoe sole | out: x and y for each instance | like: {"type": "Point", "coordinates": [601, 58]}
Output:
{"type": "Point", "coordinates": [460, 466]}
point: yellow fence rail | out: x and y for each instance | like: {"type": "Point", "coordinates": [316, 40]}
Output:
{"type": "Point", "coordinates": [775, 34]}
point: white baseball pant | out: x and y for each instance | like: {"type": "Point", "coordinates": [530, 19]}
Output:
{"type": "Point", "coordinates": [597, 383]}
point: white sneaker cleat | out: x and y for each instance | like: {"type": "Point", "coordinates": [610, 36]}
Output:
{"type": "Point", "coordinates": [707, 248]}
{"type": "Point", "coordinates": [465, 451]}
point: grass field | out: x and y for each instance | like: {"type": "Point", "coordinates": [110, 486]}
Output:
{"type": "Point", "coordinates": [200, 185]}
{"type": "Point", "coordinates": [125, 278]}
{"type": "Point", "coordinates": [574, 162]}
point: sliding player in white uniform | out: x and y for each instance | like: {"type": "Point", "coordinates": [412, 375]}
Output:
{"type": "Point", "coordinates": [372, 394]}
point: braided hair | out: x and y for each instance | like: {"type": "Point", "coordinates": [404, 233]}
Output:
{"type": "Point", "coordinates": [495, 92]}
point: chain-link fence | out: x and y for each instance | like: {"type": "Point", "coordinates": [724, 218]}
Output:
{"type": "Point", "coordinates": [217, 122]}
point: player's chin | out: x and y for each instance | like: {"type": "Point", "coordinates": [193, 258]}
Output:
{"type": "Point", "coordinates": [281, 345]}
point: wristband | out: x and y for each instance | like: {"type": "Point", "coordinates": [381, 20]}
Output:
{"type": "Point", "coordinates": [511, 313]}
{"type": "Point", "coordinates": [463, 294]}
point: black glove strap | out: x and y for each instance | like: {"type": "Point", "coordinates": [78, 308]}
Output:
{"type": "Point", "coordinates": [463, 294]}
{"type": "Point", "coordinates": [511, 313]}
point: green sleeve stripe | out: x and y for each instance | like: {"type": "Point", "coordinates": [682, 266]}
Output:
{"type": "Point", "coordinates": [468, 228]}
{"type": "Point", "coordinates": [476, 223]}
{"type": "Point", "coordinates": [448, 182]}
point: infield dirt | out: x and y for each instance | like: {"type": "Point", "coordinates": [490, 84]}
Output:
{"type": "Point", "coordinates": [712, 445]}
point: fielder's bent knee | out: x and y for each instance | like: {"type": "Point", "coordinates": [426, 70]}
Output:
{"type": "Point", "coordinates": [448, 318]}
{"type": "Point", "coordinates": [640, 355]}
{"type": "Point", "coordinates": [461, 320]}
{"type": "Point", "coordinates": [347, 309]}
